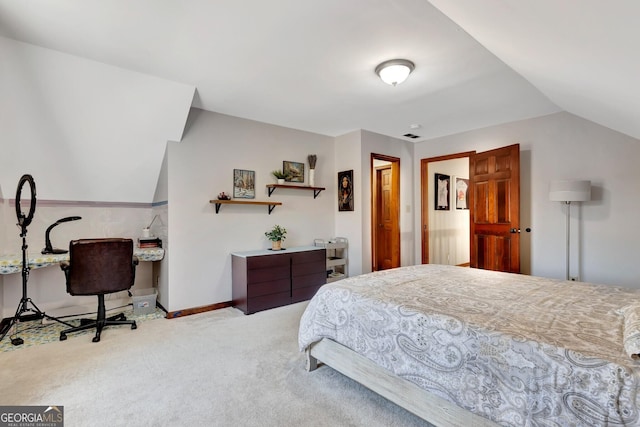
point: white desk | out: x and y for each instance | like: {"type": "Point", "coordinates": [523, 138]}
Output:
{"type": "Point", "coordinates": [10, 264]}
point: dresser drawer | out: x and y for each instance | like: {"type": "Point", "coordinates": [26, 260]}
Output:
{"type": "Point", "coordinates": [268, 301]}
{"type": "Point", "coordinates": [308, 256]}
{"type": "Point", "coordinates": [309, 268]}
{"type": "Point", "coordinates": [303, 294]}
{"type": "Point", "coordinates": [266, 288]}
{"type": "Point", "coordinates": [313, 279]}
{"type": "Point", "coordinates": [268, 274]}
{"type": "Point", "coordinates": [267, 261]}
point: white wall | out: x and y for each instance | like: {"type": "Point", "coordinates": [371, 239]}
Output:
{"type": "Point", "coordinates": [563, 146]}
{"type": "Point", "coordinates": [348, 224]}
{"type": "Point", "coordinates": [196, 271]}
{"type": "Point", "coordinates": [160, 228]}
{"type": "Point", "coordinates": [449, 230]}
{"type": "Point", "coordinates": [201, 166]}
{"type": "Point", "coordinates": [85, 130]}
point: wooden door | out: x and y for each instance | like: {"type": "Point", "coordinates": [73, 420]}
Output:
{"type": "Point", "coordinates": [386, 214]}
{"type": "Point", "coordinates": [495, 209]}
{"type": "Point", "coordinates": [384, 237]}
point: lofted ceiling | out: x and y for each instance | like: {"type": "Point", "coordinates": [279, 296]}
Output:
{"type": "Point", "coordinates": [309, 65]}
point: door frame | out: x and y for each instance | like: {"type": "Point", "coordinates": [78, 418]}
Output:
{"type": "Point", "coordinates": [395, 194]}
{"type": "Point", "coordinates": [424, 192]}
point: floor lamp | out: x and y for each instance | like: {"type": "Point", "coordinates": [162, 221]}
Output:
{"type": "Point", "coordinates": [567, 192]}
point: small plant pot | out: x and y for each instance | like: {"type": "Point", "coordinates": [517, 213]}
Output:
{"type": "Point", "coordinates": [276, 246]}
{"type": "Point", "coordinates": [280, 181]}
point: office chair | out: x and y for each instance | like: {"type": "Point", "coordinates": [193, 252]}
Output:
{"type": "Point", "coordinates": [99, 267]}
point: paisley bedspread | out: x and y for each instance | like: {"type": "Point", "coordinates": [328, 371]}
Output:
{"type": "Point", "coordinates": [519, 350]}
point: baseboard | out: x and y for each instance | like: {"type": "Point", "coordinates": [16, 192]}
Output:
{"type": "Point", "coordinates": [466, 264]}
{"type": "Point", "coordinates": [196, 310]}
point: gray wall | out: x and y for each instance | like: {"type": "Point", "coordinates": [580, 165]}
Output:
{"type": "Point", "coordinates": [201, 166]}
{"type": "Point", "coordinates": [563, 146]}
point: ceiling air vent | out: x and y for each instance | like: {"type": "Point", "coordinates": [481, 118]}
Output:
{"type": "Point", "coordinates": [410, 135]}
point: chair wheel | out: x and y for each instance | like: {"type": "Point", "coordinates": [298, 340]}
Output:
{"type": "Point", "coordinates": [134, 326]}
{"type": "Point", "coordinates": [96, 338]}
{"type": "Point", "coordinates": [63, 337]}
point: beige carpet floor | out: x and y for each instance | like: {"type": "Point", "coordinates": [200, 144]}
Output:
{"type": "Point", "coordinates": [220, 368]}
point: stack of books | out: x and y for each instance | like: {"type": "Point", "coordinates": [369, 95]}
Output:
{"type": "Point", "coordinates": [149, 242]}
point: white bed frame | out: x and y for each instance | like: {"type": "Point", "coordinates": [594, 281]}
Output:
{"type": "Point", "coordinates": [409, 396]}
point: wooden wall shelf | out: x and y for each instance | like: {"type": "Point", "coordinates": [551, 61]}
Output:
{"type": "Point", "coordinates": [218, 203]}
{"type": "Point", "coordinates": [316, 190]}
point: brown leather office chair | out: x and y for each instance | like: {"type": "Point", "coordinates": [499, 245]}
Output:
{"type": "Point", "coordinates": [99, 267]}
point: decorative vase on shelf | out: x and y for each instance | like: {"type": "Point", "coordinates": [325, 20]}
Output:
{"type": "Point", "coordinates": [280, 181]}
{"type": "Point", "coordinates": [312, 177]}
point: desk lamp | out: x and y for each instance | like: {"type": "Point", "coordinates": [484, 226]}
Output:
{"type": "Point", "coordinates": [48, 249]}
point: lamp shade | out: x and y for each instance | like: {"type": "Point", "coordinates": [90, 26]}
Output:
{"type": "Point", "coordinates": [570, 191]}
{"type": "Point", "coordinates": [395, 71]}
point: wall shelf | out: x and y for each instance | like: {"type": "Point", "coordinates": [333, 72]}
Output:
{"type": "Point", "coordinates": [218, 203]}
{"type": "Point", "coordinates": [316, 190]}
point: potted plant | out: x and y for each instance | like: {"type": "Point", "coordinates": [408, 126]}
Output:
{"type": "Point", "coordinates": [276, 235]}
{"type": "Point", "coordinates": [280, 176]}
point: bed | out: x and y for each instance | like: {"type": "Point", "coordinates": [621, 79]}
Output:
{"type": "Point", "coordinates": [462, 346]}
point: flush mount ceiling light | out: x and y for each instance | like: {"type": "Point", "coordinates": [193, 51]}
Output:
{"type": "Point", "coordinates": [395, 71]}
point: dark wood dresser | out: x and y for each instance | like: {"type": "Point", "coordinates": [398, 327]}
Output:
{"type": "Point", "coordinates": [266, 279]}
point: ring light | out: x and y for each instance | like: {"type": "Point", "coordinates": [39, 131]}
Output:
{"type": "Point", "coordinates": [23, 220]}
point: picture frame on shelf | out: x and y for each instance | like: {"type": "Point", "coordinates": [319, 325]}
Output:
{"type": "Point", "coordinates": [244, 184]}
{"type": "Point", "coordinates": [442, 191]}
{"type": "Point", "coordinates": [294, 170]}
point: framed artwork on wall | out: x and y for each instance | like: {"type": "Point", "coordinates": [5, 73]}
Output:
{"type": "Point", "coordinates": [462, 193]}
{"type": "Point", "coordinates": [244, 184]}
{"type": "Point", "coordinates": [442, 189]}
{"type": "Point", "coordinates": [345, 190]}
{"type": "Point", "coordinates": [294, 170]}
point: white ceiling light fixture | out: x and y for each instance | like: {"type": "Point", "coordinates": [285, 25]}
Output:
{"type": "Point", "coordinates": [395, 71]}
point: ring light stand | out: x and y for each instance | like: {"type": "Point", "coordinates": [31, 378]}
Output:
{"type": "Point", "coordinates": [24, 312]}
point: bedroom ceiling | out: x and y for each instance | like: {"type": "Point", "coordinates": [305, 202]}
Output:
{"type": "Point", "coordinates": [309, 65]}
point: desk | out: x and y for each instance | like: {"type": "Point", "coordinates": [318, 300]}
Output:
{"type": "Point", "coordinates": [10, 264]}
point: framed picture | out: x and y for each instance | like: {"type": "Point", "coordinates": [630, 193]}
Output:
{"type": "Point", "coordinates": [244, 184]}
{"type": "Point", "coordinates": [345, 190]}
{"type": "Point", "coordinates": [442, 183]}
{"type": "Point", "coordinates": [462, 193]}
{"type": "Point", "coordinates": [295, 170]}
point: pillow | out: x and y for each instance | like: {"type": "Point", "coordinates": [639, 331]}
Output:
{"type": "Point", "coordinates": [631, 330]}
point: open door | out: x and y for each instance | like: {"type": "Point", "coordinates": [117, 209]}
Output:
{"type": "Point", "coordinates": [495, 209]}
{"type": "Point", "coordinates": [385, 212]}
